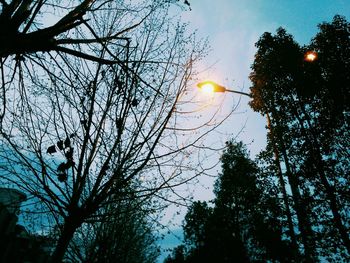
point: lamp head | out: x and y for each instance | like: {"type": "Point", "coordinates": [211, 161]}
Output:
{"type": "Point", "coordinates": [210, 87]}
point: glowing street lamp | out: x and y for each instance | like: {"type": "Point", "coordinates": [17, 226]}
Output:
{"type": "Point", "coordinates": [310, 56]}
{"type": "Point", "coordinates": [211, 87]}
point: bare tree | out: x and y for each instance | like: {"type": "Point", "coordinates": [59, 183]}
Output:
{"type": "Point", "coordinates": [78, 133]}
{"type": "Point", "coordinates": [23, 29]}
{"type": "Point", "coordinates": [126, 233]}
{"type": "Point", "coordinates": [80, 28]}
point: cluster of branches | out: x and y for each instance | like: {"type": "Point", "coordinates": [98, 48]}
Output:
{"type": "Point", "coordinates": [294, 205]}
{"type": "Point", "coordinates": [125, 232]}
{"type": "Point", "coordinates": [89, 127]}
{"type": "Point", "coordinates": [21, 30]}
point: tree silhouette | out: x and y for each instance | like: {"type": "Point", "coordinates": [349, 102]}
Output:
{"type": "Point", "coordinates": [242, 225]}
{"type": "Point", "coordinates": [125, 233]}
{"type": "Point", "coordinates": [22, 31]}
{"type": "Point", "coordinates": [300, 96]}
{"type": "Point", "coordinates": [275, 72]}
{"type": "Point", "coordinates": [78, 135]}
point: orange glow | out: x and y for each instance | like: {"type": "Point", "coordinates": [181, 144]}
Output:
{"type": "Point", "coordinates": [311, 56]}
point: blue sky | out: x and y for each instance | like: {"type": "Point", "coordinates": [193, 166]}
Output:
{"type": "Point", "coordinates": [232, 28]}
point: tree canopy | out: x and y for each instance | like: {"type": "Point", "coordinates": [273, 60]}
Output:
{"type": "Point", "coordinates": [309, 122]}
{"type": "Point", "coordinates": [242, 224]}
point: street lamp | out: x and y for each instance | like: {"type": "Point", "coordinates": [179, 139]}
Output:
{"type": "Point", "coordinates": [209, 86]}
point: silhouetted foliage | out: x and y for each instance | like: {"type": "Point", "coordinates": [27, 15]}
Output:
{"type": "Point", "coordinates": [178, 255]}
{"type": "Point", "coordinates": [308, 102]}
{"type": "Point", "coordinates": [126, 233]}
{"type": "Point", "coordinates": [242, 225]}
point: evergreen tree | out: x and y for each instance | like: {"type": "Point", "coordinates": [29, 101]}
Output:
{"type": "Point", "coordinates": [276, 72]}
{"type": "Point", "coordinates": [308, 105]}
{"type": "Point", "coordinates": [243, 224]}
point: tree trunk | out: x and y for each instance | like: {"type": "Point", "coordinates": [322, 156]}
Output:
{"type": "Point", "coordinates": [283, 189]}
{"type": "Point", "coordinates": [303, 220]}
{"type": "Point", "coordinates": [319, 167]}
{"type": "Point", "coordinates": [70, 226]}
{"type": "Point", "coordinates": [334, 207]}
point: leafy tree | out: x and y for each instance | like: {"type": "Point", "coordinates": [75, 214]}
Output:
{"type": "Point", "coordinates": [249, 211]}
{"type": "Point", "coordinates": [306, 127]}
{"type": "Point", "coordinates": [326, 123]}
{"type": "Point", "coordinates": [195, 227]}
{"type": "Point", "coordinates": [243, 224]}
{"type": "Point", "coordinates": [276, 70]}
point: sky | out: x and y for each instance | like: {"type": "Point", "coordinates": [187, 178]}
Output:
{"type": "Point", "coordinates": [232, 28]}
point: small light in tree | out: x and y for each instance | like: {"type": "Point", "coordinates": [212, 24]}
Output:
{"type": "Point", "coordinates": [310, 56]}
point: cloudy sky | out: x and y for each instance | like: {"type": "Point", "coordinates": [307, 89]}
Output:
{"type": "Point", "coordinates": [232, 28]}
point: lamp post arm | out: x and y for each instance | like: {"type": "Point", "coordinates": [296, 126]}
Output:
{"type": "Point", "coordinates": [239, 92]}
